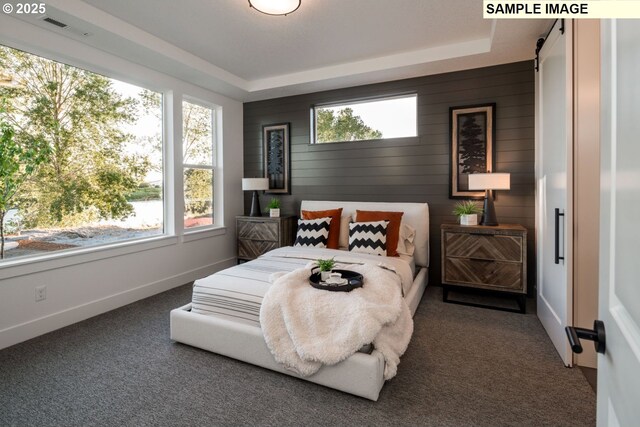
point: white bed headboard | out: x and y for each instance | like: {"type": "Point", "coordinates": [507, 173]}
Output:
{"type": "Point", "coordinates": [415, 214]}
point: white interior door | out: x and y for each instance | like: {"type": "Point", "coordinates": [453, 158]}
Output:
{"type": "Point", "coordinates": [619, 303]}
{"type": "Point", "coordinates": [553, 177]}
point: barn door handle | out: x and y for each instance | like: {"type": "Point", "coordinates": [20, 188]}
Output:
{"type": "Point", "coordinates": [557, 256]}
{"type": "Point", "coordinates": [597, 335]}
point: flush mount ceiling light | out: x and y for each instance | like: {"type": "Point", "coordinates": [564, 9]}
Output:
{"type": "Point", "coordinates": [275, 7]}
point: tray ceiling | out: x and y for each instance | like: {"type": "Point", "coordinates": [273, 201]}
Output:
{"type": "Point", "coordinates": [226, 46]}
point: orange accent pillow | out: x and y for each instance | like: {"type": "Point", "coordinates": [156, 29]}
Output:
{"type": "Point", "coordinates": [393, 229]}
{"type": "Point", "coordinates": [333, 242]}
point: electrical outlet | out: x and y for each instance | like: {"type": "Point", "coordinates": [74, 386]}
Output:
{"type": "Point", "coordinates": [41, 293]}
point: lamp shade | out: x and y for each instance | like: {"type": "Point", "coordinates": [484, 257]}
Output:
{"type": "Point", "coordinates": [275, 7]}
{"type": "Point", "coordinates": [249, 184]}
{"type": "Point", "coordinates": [489, 181]}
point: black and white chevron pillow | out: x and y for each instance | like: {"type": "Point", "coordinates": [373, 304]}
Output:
{"type": "Point", "coordinates": [368, 237]}
{"type": "Point", "coordinates": [313, 233]}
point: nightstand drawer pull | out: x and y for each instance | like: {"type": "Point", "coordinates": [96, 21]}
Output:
{"type": "Point", "coordinates": [482, 259]}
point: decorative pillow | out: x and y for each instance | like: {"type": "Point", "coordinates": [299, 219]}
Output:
{"type": "Point", "coordinates": [334, 228]}
{"type": "Point", "coordinates": [393, 230]}
{"type": "Point", "coordinates": [405, 243]}
{"type": "Point", "coordinates": [368, 237]}
{"type": "Point", "coordinates": [345, 220]}
{"type": "Point", "coordinates": [313, 233]}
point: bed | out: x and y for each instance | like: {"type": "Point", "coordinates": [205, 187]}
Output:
{"type": "Point", "coordinates": [230, 327]}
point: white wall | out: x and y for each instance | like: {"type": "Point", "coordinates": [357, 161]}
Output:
{"type": "Point", "coordinates": [81, 286]}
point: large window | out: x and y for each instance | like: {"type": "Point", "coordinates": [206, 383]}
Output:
{"type": "Point", "coordinates": [80, 157]}
{"type": "Point", "coordinates": [391, 117]}
{"type": "Point", "coordinates": [198, 150]}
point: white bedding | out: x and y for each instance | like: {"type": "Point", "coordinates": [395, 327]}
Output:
{"type": "Point", "coordinates": [233, 304]}
{"type": "Point", "coordinates": [412, 265]}
{"type": "Point", "coordinates": [237, 292]}
{"type": "Point", "coordinates": [305, 328]}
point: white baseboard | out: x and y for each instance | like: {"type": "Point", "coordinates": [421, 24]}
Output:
{"type": "Point", "coordinates": [33, 328]}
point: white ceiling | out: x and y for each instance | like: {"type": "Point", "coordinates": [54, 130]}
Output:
{"type": "Point", "coordinates": [226, 46]}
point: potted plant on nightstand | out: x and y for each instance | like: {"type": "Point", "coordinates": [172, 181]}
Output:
{"type": "Point", "coordinates": [274, 208]}
{"type": "Point", "coordinates": [467, 212]}
{"type": "Point", "coordinates": [325, 266]}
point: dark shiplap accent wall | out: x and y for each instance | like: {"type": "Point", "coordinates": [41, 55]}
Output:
{"type": "Point", "coordinates": [408, 169]}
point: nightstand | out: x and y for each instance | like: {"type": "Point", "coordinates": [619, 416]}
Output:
{"type": "Point", "coordinates": [487, 258]}
{"type": "Point", "coordinates": [258, 235]}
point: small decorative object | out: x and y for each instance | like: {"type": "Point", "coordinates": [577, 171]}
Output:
{"type": "Point", "coordinates": [467, 212]}
{"type": "Point", "coordinates": [489, 182]}
{"type": "Point", "coordinates": [336, 278]}
{"type": "Point", "coordinates": [325, 266]}
{"type": "Point", "coordinates": [275, 140]}
{"type": "Point", "coordinates": [255, 185]}
{"type": "Point", "coordinates": [472, 131]}
{"type": "Point", "coordinates": [349, 280]}
{"type": "Point", "coordinates": [274, 208]}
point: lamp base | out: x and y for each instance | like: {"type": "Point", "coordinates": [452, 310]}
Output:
{"type": "Point", "coordinates": [255, 204]}
{"type": "Point", "coordinates": [489, 211]}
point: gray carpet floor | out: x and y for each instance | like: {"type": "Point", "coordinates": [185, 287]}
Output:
{"type": "Point", "coordinates": [465, 366]}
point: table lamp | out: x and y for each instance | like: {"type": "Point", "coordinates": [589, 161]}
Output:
{"type": "Point", "coordinates": [489, 182]}
{"type": "Point", "coordinates": [255, 185]}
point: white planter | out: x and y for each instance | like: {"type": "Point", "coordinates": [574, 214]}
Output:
{"type": "Point", "coordinates": [324, 275]}
{"type": "Point", "coordinates": [274, 213]}
{"type": "Point", "coordinates": [469, 219]}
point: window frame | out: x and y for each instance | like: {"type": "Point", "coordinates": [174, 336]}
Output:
{"type": "Point", "coordinates": [213, 167]}
{"type": "Point", "coordinates": [362, 100]}
{"type": "Point", "coordinates": [13, 267]}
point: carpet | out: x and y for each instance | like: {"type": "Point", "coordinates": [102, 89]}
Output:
{"type": "Point", "coordinates": [465, 366]}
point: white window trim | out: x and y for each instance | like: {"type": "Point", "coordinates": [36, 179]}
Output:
{"type": "Point", "coordinates": [204, 232]}
{"type": "Point", "coordinates": [195, 233]}
{"type": "Point", "coordinates": [37, 263]}
{"type": "Point", "coordinates": [69, 257]}
{"type": "Point", "coordinates": [173, 229]}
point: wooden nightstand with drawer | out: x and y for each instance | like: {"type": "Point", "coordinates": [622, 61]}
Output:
{"type": "Point", "coordinates": [258, 235]}
{"type": "Point", "coordinates": [487, 258]}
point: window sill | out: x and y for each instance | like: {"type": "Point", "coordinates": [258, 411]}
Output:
{"type": "Point", "coordinates": [396, 141]}
{"type": "Point", "coordinates": [71, 257]}
{"type": "Point", "coordinates": [203, 233]}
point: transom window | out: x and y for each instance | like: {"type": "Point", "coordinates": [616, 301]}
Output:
{"type": "Point", "coordinates": [368, 119]}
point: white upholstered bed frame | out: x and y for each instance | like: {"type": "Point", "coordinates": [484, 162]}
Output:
{"type": "Point", "coordinates": [361, 374]}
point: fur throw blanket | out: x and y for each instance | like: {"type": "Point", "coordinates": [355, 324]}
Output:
{"type": "Point", "coordinates": [306, 328]}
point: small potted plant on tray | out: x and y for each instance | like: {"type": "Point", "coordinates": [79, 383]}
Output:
{"type": "Point", "coordinates": [325, 266]}
{"type": "Point", "coordinates": [274, 208]}
{"type": "Point", "coordinates": [468, 212]}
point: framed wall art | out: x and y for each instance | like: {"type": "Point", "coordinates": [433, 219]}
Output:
{"type": "Point", "coordinates": [472, 136]}
{"type": "Point", "coordinates": [276, 145]}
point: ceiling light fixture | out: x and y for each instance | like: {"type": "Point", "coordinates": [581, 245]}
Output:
{"type": "Point", "coordinates": [275, 7]}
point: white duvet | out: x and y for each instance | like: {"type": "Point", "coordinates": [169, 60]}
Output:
{"type": "Point", "coordinates": [306, 328]}
{"type": "Point", "coordinates": [399, 264]}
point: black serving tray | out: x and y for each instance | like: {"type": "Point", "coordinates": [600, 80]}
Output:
{"type": "Point", "coordinates": [354, 279]}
